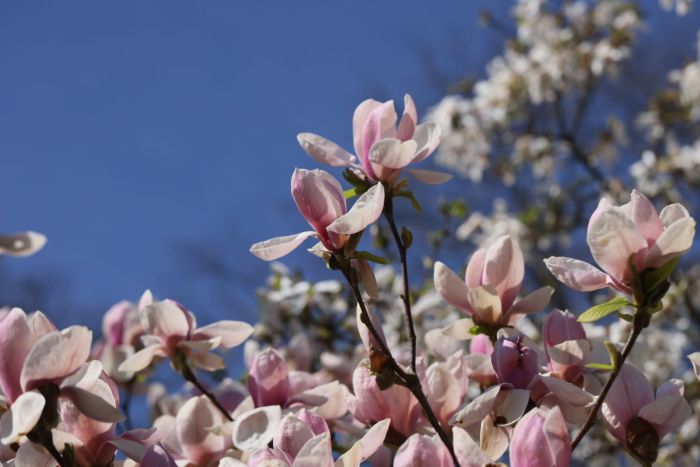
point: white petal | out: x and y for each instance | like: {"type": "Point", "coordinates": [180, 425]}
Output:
{"type": "Point", "coordinates": [673, 242]}
{"type": "Point", "coordinates": [451, 287]}
{"type": "Point", "coordinates": [576, 274]}
{"type": "Point", "coordinates": [613, 238]}
{"type": "Point", "coordinates": [427, 138]}
{"type": "Point", "coordinates": [92, 405]}
{"type": "Point", "coordinates": [392, 153]}
{"type": "Point", "coordinates": [476, 410]}
{"type": "Point", "coordinates": [315, 453]}
{"type": "Point", "coordinates": [324, 150]}
{"type": "Point", "coordinates": [365, 211]}
{"type": "Point", "coordinates": [232, 333]}
{"type": "Point", "coordinates": [140, 359]}
{"type": "Point", "coordinates": [459, 329]}
{"type": "Point", "coordinates": [672, 213]}
{"type": "Point", "coordinates": [22, 416]}
{"type": "Point", "coordinates": [486, 304]}
{"type": "Point", "coordinates": [468, 452]}
{"type": "Point", "coordinates": [254, 429]}
{"type": "Point", "coordinates": [277, 247]}
{"type": "Point", "coordinates": [532, 302]}
{"type": "Point", "coordinates": [695, 360]}
{"type": "Point", "coordinates": [430, 177]}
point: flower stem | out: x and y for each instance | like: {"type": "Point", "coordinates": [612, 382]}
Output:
{"type": "Point", "coordinates": [641, 321]}
{"type": "Point", "coordinates": [406, 379]}
{"type": "Point", "coordinates": [184, 368]}
{"type": "Point", "coordinates": [406, 296]}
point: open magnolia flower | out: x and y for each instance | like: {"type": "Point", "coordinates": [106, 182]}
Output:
{"type": "Point", "coordinates": [21, 244]}
{"type": "Point", "coordinates": [492, 283]}
{"type": "Point", "coordinates": [41, 366]}
{"type": "Point", "coordinates": [616, 234]}
{"type": "Point", "coordinates": [320, 200]}
{"type": "Point", "coordinates": [383, 148]}
{"type": "Point", "coordinates": [169, 328]}
{"type": "Point", "coordinates": [637, 419]}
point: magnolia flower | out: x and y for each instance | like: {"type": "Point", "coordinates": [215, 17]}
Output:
{"type": "Point", "coordinates": [565, 345]}
{"type": "Point", "coordinates": [514, 363]}
{"type": "Point", "coordinates": [616, 235]}
{"type": "Point", "coordinates": [541, 438]}
{"type": "Point", "coordinates": [493, 280]}
{"type": "Point", "coordinates": [21, 244]}
{"type": "Point", "coordinates": [320, 200]}
{"type": "Point", "coordinates": [34, 357]}
{"type": "Point", "coordinates": [169, 329]}
{"type": "Point", "coordinates": [637, 419]}
{"type": "Point", "coordinates": [383, 148]}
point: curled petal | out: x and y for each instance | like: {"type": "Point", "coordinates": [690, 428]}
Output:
{"type": "Point", "coordinates": [409, 119]}
{"type": "Point", "coordinates": [393, 153]}
{"type": "Point", "coordinates": [427, 137]}
{"type": "Point", "coordinates": [674, 241]}
{"type": "Point", "coordinates": [672, 213]}
{"type": "Point", "coordinates": [644, 216]}
{"type": "Point", "coordinates": [56, 355]}
{"type": "Point", "coordinates": [359, 118]}
{"type": "Point", "coordinates": [364, 212]}
{"type": "Point", "coordinates": [278, 247]}
{"type": "Point", "coordinates": [576, 274]}
{"type": "Point", "coordinates": [141, 359]}
{"type": "Point", "coordinates": [232, 333]}
{"type": "Point", "coordinates": [504, 269]}
{"type": "Point", "coordinates": [315, 453]}
{"type": "Point", "coordinates": [92, 405]}
{"type": "Point", "coordinates": [22, 416]}
{"type": "Point", "coordinates": [21, 244]}
{"type": "Point", "coordinates": [695, 360]}
{"type": "Point", "coordinates": [325, 151]}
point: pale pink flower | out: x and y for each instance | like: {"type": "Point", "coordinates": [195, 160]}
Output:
{"type": "Point", "coordinates": [320, 200]}
{"type": "Point", "coordinates": [169, 329]}
{"type": "Point", "coordinates": [423, 451]}
{"type": "Point", "coordinates": [638, 419]}
{"type": "Point", "coordinates": [616, 234]}
{"type": "Point", "coordinates": [565, 345]}
{"type": "Point", "coordinates": [383, 149]}
{"type": "Point", "coordinates": [514, 362]}
{"type": "Point", "coordinates": [541, 439]}
{"type": "Point", "coordinates": [493, 280]}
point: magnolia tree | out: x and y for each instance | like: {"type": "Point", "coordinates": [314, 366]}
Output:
{"type": "Point", "coordinates": [378, 365]}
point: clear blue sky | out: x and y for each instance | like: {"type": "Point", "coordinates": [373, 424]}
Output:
{"type": "Point", "coordinates": [128, 128]}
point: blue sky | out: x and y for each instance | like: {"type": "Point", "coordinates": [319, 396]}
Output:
{"type": "Point", "coordinates": [129, 128]}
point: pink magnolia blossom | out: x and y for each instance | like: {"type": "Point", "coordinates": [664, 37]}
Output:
{"type": "Point", "coordinates": [565, 345]}
{"type": "Point", "coordinates": [319, 197]}
{"type": "Point", "coordinates": [638, 419]}
{"type": "Point", "coordinates": [493, 280]}
{"type": "Point", "coordinates": [423, 451]}
{"type": "Point", "coordinates": [169, 328]}
{"type": "Point", "coordinates": [383, 149]}
{"type": "Point", "coordinates": [268, 379]}
{"type": "Point", "coordinates": [514, 362]}
{"type": "Point", "coordinates": [541, 439]}
{"type": "Point", "coordinates": [616, 234]}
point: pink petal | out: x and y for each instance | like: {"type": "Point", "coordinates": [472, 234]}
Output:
{"type": "Point", "coordinates": [477, 409]}
{"type": "Point", "coordinates": [364, 212]}
{"type": "Point", "coordinates": [315, 453]}
{"type": "Point", "coordinates": [157, 456]}
{"type": "Point", "coordinates": [291, 435]}
{"type": "Point", "coordinates": [359, 119]}
{"type": "Point", "coordinates": [504, 269]}
{"type": "Point", "coordinates": [576, 274]}
{"type": "Point", "coordinates": [141, 359]}
{"type": "Point", "coordinates": [325, 151]}
{"type": "Point", "coordinates": [629, 393]}
{"type": "Point", "coordinates": [532, 302]}
{"type": "Point", "coordinates": [278, 247]}
{"type": "Point", "coordinates": [644, 216]}
{"type": "Point", "coordinates": [374, 438]}
{"type": "Point", "coordinates": [475, 269]}
{"type": "Point", "coordinates": [92, 405]}
{"type": "Point", "coordinates": [667, 413]}
{"type": "Point", "coordinates": [380, 124]}
{"type": "Point", "coordinates": [695, 360]}
{"type": "Point", "coordinates": [427, 137]}
{"type": "Point", "coordinates": [674, 241]}
{"type": "Point", "coordinates": [422, 451]}
{"type": "Point", "coordinates": [451, 287]}
{"type": "Point", "coordinates": [232, 333]}
{"type": "Point", "coordinates": [409, 119]}
{"type": "Point", "coordinates": [392, 153]}
{"type": "Point", "coordinates": [469, 454]}
{"type": "Point", "coordinates": [56, 355]}
{"type": "Point", "coordinates": [486, 304]}
{"type": "Point", "coordinates": [557, 437]}
{"type": "Point", "coordinates": [165, 320]}
{"type": "Point", "coordinates": [430, 177]}
{"type": "Point", "coordinates": [613, 238]}
{"type": "Point", "coordinates": [16, 341]}
{"type": "Point", "coordinates": [193, 423]}
{"type": "Point", "coordinates": [34, 455]}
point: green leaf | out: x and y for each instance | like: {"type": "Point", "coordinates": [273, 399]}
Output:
{"type": "Point", "coordinates": [626, 316]}
{"type": "Point", "coordinates": [653, 278]}
{"type": "Point", "coordinates": [600, 366]}
{"type": "Point", "coordinates": [371, 257]}
{"type": "Point", "coordinates": [411, 197]}
{"type": "Point", "coordinates": [613, 353]}
{"type": "Point", "coordinates": [604, 309]}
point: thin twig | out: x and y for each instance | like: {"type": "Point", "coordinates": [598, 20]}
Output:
{"type": "Point", "coordinates": [189, 375]}
{"type": "Point", "coordinates": [406, 379]}
{"type": "Point", "coordinates": [406, 297]}
{"type": "Point", "coordinates": [641, 320]}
